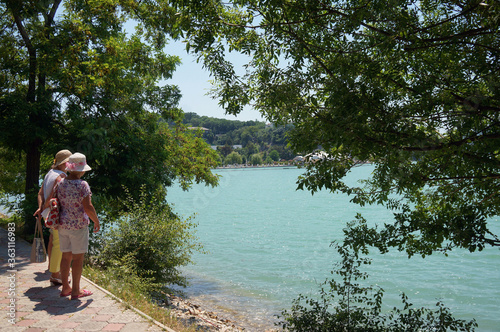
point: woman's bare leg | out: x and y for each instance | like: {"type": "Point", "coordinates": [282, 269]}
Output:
{"type": "Point", "coordinates": [65, 265]}
{"type": "Point", "coordinates": [76, 273]}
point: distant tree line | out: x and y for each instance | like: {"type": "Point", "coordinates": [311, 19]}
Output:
{"type": "Point", "coordinates": [260, 142]}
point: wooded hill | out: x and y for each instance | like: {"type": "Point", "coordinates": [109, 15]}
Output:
{"type": "Point", "coordinates": [255, 137]}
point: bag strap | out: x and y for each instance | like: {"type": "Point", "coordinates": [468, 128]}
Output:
{"type": "Point", "coordinates": [56, 184]}
{"type": "Point", "coordinates": [53, 193]}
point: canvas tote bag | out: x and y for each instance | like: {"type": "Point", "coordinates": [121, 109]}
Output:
{"type": "Point", "coordinates": [38, 253]}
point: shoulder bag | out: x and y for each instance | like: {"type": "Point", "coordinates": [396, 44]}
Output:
{"type": "Point", "coordinates": [51, 213]}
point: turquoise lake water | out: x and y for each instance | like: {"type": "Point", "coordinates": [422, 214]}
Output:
{"type": "Point", "coordinates": [267, 243]}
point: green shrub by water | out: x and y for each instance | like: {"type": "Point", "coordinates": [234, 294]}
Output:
{"type": "Point", "coordinates": [150, 241]}
{"type": "Point", "coordinates": [348, 306]}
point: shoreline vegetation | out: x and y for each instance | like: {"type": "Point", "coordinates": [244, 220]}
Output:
{"type": "Point", "coordinates": [257, 166]}
{"type": "Point", "coordinates": [287, 164]}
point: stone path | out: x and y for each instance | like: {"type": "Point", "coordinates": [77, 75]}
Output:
{"type": "Point", "coordinates": [28, 302]}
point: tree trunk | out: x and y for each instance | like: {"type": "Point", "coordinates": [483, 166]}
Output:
{"type": "Point", "coordinates": [32, 149]}
{"type": "Point", "coordinates": [32, 185]}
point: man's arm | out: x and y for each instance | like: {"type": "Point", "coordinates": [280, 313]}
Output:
{"type": "Point", "coordinates": [40, 202]}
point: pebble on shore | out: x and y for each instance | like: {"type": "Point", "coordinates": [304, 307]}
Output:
{"type": "Point", "coordinates": [191, 313]}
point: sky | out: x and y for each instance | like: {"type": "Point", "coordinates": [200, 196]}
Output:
{"type": "Point", "coordinates": [194, 83]}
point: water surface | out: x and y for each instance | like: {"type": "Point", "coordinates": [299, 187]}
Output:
{"type": "Point", "coordinates": [268, 242]}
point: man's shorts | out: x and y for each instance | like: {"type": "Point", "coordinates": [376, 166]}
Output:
{"type": "Point", "coordinates": [74, 241]}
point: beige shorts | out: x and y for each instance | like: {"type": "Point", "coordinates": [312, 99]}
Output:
{"type": "Point", "coordinates": [74, 241]}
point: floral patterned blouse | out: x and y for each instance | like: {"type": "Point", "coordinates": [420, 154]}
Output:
{"type": "Point", "coordinates": [71, 193]}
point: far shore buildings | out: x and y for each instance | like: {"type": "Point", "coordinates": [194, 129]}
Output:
{"type": "Point", "coordinates": [236, 146]}
{"type": "Point", "coordinates": [199, 128]}
{"type": "Point", "coordinates": [297, 159]}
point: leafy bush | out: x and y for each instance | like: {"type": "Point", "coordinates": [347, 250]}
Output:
{"type": "Point", "coordinates": [233, 158]}
{"type": "Point", "coordinates": [256, 159]}
{"type": "Point", "coordinates": [153, 241]}
{"type": "Point", "coordinates": [274, 155]}
{"type": "Point", "coordinates": [349, 306]}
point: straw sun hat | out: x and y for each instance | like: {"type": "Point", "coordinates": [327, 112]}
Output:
{"type": "Point", "coordinates": [61, 157]}
{"type": "Point", "coordinates": [77, 163]}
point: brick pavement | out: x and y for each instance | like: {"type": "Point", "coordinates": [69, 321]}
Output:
{"type": "Point", "coordinates": [38, 306]}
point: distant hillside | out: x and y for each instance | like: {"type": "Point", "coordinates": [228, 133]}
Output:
{"type": "Point", "coordinates": [218, 126]}
{"type": "Point", "coordinates": [255, 137]}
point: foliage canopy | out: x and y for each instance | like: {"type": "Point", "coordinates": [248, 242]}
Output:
{"type": "Point", "coordinates": [410, 85]}
{"type": "Point", "coordinates": [72, 77]}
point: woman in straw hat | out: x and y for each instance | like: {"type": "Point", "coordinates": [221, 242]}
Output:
{"type": "Point", "coordinates": [76, 208]}
{"type": "Point", "coordinates": [55, 175]}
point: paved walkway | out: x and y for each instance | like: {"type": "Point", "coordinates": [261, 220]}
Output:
{"type": "Point", "coordinates": [31, 304]}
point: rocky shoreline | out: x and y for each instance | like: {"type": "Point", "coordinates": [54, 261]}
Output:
{"type": "Point", "coordinates": [193, 313]}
